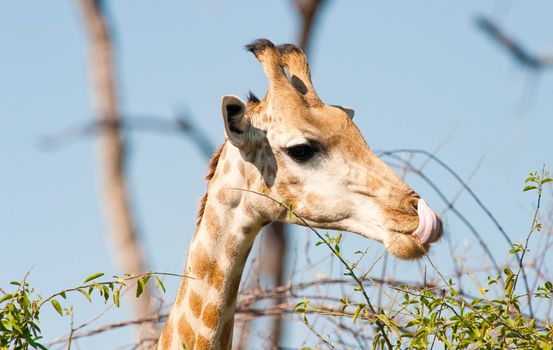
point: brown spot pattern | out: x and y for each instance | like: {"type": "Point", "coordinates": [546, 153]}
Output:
{"type": "Point", "coordinates": [242, 169]}
{"type": "Point", "coordinates": [195, 303]}
{"type": "Point", "coordinates": [211, 316]}
{"type": "Point", "coordinates": [215, 276]}
{"type": "Point", "coordinates": [200, 262]}
{"type": "Point", "coordinates": [232, 248]}
{"type": "Point", "coordinates": [187, 333]}
{"type": "Point", "coordinates": [202, 343]}
{"type": "Point", "coordinates": [211, 222]}
{"type": "Point", "coordinates": [203, 265]}
{"type": "Point", "coordinates": [166, 335]}
{"type": "Point", "coordinates": [221, 196]}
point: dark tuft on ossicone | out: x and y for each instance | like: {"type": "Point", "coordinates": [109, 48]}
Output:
{"type": "Point", "coordinates": [252, 97]}
{"type": "Point", "coordinates": [286, 49]}
{"type": "Point", "coordinates": [259, 45]}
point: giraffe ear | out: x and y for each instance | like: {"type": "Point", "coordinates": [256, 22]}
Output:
{"type": "Point", "coordinates": [349, 111]}
{"type": "Point", "coordinates": [236, 126]}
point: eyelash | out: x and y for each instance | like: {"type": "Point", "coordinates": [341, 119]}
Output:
{"type": "Point", "coordinates": [301, 153]}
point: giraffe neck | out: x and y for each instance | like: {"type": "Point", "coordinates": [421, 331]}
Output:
{"type": "Point", "coordinates": [203, 314]}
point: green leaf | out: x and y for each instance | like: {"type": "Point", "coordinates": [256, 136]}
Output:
{"type": "Point", "coordinates": [116, 297]}
{"type": "Point", "coordinates": [86, 295]}
{"type": "Point", "coordinates": [146, 278]}
{"type": "Point", "coordinates": [93, 277]}
{"type": "Point", "coordinates": [291, 212]}
{"type": "Point", "coordinates": [160, 283]}
{"type": "Point", "coordinates": [139, 287]}
{"type": "Point", "coordinates": [357, 311]}
{"type": "Point", "coordinates": [6, 297]}
{"type": "Point", "coordinates": [57, 306]}
{"type": "Point", "coordinates": [546, 180]}
{"type": "Point", "coordinates": [105, 292]}
{"type": "Point", "coordinates": [529, 187]}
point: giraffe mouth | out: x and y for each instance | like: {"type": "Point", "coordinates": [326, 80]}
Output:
{"type": "Point", "coordinates": [430, 226]}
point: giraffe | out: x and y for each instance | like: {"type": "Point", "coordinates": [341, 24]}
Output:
{"type": "Point", "coordinates": [287, 148]}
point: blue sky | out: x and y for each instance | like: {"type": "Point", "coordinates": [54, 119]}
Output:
{"type": "Point", "coordinates": [417, 73]}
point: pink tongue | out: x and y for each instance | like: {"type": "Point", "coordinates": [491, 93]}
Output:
{"type": "Point", "coordinates": [428, 223]}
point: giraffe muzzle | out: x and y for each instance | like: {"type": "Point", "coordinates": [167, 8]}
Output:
{"type": "Point", "coordinates": [430, 225]}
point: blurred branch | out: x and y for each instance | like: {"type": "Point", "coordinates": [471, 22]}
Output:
{"type": "Point", "coordinates": [129, 254]}
{"type": "Point", "coordinates": [520, 54]}
{"type": "Point", "coordinates": [308, 10]}
{"type": "Point", "coordinates": [276, 232]}
{"type": "Point", "coordinates": [181, 125]}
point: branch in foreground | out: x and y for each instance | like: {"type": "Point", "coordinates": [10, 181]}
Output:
{"type": "Point", "coordinates": [465, 186]}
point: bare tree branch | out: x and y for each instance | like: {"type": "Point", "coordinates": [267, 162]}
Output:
{"type": "Point", "coordinates": [181, 125]}
{"type": "Point", "coordinates": [449, 203]}
{"type": "Point", "coordinates": [276, 232]}
{"type": "Point", "coordinates": [308, 10]}
{"type": "Point", "coordinates": [328, 305]}
{"type": "Point", "coordinates": [520, 54]}
{"type": "Point", "coordinates": [129, 254]}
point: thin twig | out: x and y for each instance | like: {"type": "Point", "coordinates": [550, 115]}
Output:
{"type": "Point", "coordinates": [475, 198]}
{"type": "Point", "coordinates": [351, 273]}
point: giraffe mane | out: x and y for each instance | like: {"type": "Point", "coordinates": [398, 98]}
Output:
{"type": "Point", "coordinates": [212, 167]}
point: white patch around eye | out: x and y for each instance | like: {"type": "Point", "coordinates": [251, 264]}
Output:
{"type": "Point", "coordinates": [295, 141]}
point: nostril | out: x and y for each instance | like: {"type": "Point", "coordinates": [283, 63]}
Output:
{"type": "Point", "coordinates": [412, 203]}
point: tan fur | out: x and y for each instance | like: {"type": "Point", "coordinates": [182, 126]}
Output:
{"type": "Point", "coordinates": [182, 291]}
{"type": "Point", "coordinates": [344, 187]}
{"type": "Point", "coordinates": [212, 167]}
{"type": "Point", "coordinates": [167, 335]}
{"type": "Point", "coordinates": [405, 247]}
{"type": "Point", "coordinates": [233, 291]}
{"type": "Point", "coordinates": [232, 246]}
{"type": "Point", "coordinates": [187, 333]}
{"type": "Point", "coordinates": [200, 263]}
{"type": "Point", "coordinates": [215, 276]}
{"type": "Point", "coordinates": [211, 221]}
{"type": "Point", "coordinates": [195, 303]}
{"type": "Point", "coordinates": [226, 334]}
{"type": "Point", "coordinates": [221, 196]}
{"type": "Point", "coordinates": [211, 315]}
{"type": "Point", "coordinates": [226, 168]}
{"type": "Point", "coordinates": [202, 343]}
{"type": "Point", "coordinates": [298, 67]}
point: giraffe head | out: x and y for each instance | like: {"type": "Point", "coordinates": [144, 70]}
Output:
{"type": "Point", "coordinates": [311, 156]}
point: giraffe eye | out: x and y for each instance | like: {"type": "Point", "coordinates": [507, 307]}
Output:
{"type": "Point", "coordinates": [301, 153]}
